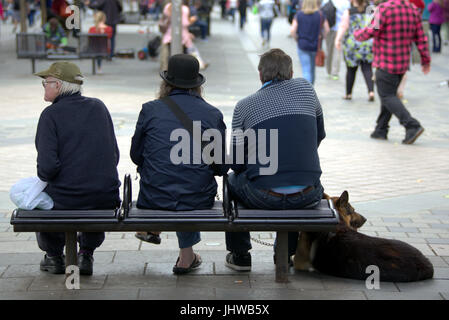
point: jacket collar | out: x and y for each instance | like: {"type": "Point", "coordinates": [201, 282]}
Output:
{"type": "Point", "coordinates": [184, 92]}
{"type": "Point", "coordinates": [63, 96]}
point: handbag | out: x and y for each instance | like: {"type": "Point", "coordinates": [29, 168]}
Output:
{"type": "Point", "coordinates": [320, 56]}
{"type": "Point", "coordinates": [163, 24]}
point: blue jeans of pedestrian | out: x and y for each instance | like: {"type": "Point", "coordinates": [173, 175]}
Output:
{"type": "Point", "coordinates": [307, 59]}
{"type": "Point", "coordinates": [265, 26]}
{"type": "Point", "coordinates": [245, 193]}
{"type": "Point", "coordinates": [188, 239]}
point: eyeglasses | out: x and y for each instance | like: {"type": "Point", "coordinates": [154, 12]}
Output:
{"type": "Point", "coordinates": [45, 82]}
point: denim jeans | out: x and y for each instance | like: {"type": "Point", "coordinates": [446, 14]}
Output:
{"type": "Point", "coordinates": [436, 37]}
{"type": "Point", "coordinates": [387, 86]}
{"type": "Point", "coordinates": [245, 193]}
{"type": "Point", "coordinates": [307, 59]}
{"type": "Point", "coordinates": [265, 26]}
{"type": "Point", "coordinates": [188, 239]}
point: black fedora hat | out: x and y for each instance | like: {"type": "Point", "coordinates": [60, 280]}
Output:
{"type": "Point", "coordinates": [183, 72]}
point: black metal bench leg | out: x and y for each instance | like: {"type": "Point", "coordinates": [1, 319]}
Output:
{"type": "Point", "coordinates": [282, 256]}
{"type": "Point", "coordinates": [71, 252]}
{"type": "Point", "coordinates": [33, 66]}
{"type": "Point", "coordinates": [93, 67]}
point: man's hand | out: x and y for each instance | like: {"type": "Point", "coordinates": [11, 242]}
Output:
{"type": "Point", "coordinates": [426, 68]}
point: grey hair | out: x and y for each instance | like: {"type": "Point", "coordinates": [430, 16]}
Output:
{"type": "Point", "coordinates": [68, 88]}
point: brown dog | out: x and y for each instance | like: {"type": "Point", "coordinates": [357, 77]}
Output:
{"type": "Point", "coordinates": [347, 253]}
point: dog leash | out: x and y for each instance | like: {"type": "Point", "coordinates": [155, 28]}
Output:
{"type": "Point", "coordinates": [262, 242]}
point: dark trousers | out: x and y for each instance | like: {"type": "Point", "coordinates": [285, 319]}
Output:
{"type": "Point", "coordinates": [436, 37]}
{"type": "Point", "coordinates": [114, 32]}
{"type": "Point", "coordinates": [367, 74]}
{"type": "Point", "coordinates": [242, 190]}
{"type": "Point", "coordinates": [265, 27]}
{"type": "Point", "coordinates": [53, 242]}
{"type": "Point", "coordinates": [387, 86]}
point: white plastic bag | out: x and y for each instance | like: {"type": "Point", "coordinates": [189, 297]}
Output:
{"type": "Point", "coordinates": [28, 194]}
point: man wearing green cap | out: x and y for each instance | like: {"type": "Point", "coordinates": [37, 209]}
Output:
{"type": "Point", "coordinates": [77, 155]}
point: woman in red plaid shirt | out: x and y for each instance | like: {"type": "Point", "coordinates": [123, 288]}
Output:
{"type": "Point", "coordinates": [395, 25]}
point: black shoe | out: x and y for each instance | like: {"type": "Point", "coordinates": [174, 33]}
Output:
{"type": "Point", "coordinates": [148, 237]}
{"type": "Point", "coordinates": [55, 265]}
{"type": "Point", "coordinates": [238, 262]}
{"type": "Point", "coordinates": [378, 135]}
{"type": "Point", "coordinates": [86, 264]}
{"type": "Point", "coordinates": [412, 134]}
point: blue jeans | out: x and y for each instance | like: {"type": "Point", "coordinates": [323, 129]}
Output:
{"type": "Point", "coordinates": [265, 26]}
{"type": "Point", "coordinates": [307, 59]}
{"type": "Point", "coordinates": [244, 192]}
{"type": "Point", "coordinates": [188, 239]}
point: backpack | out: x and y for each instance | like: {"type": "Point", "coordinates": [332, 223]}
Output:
{"type": "Point", "coordinates": [330, 12]}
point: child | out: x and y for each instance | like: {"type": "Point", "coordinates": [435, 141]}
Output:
{"type": "Point", "coordinates": [436, 19]}
{"type": "Point", "coordinates": [101, 28]}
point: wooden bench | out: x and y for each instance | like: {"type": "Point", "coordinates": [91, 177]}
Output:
{"type": "Point", "coordinates": [226, 215]}
{"type": "Point", "coordinates": [33, 46]}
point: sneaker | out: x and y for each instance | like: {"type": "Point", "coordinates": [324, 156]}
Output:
{"type": "Point", "coordinates": [378, 135]}
{"type": "Point", "coordinates": [412, 134]}
{"type": "Point", "coordinates": [238, 262]}
{"type": "Point", "coordinates": [54, 265]}
{"type": "Point", "coordinates": [86, 264]}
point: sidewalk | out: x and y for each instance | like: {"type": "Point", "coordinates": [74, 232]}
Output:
{"type": "Point", "coordinates": [403, 191]}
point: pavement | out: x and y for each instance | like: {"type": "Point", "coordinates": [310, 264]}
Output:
{"type": "Point", "coordinates": [402, 190]}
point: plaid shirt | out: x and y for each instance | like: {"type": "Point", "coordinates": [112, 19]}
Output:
{"type": "Point", "coordinates": [395, 25]}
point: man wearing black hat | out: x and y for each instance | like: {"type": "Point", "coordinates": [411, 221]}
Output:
{"type": "Point", "coordinates": [166, 183]}
{"type": "Point", "coordinates": [77, 155]}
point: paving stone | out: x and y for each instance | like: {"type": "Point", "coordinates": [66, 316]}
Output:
{"type": "Point", "coordinates": [15, 284]}
{"type": "Point", "coordinates": [176, 294]}
{"type": "Point", "coordinates": [432, 231]}
{"type": "Point", "coordinates": [440, 249]}
{"type": "Point", "coordinates": [51, 282]}
{"type": "Point", "coordinates": [115, 282]}
{"type": "Point", "coordinates": [305, 280]}
{"type": "Point", "coordinates": [374, 295]}
{"type": "Point", "coordinates": [439, 226]}
{"type": "Point", "coordinates": [414, 225]}
{"type": "Point", "coordinates": [437, 241]}
{"type": "Point", "coordinates": [441, 273]}
{"type": "Point", "coordinates": [396, 220]}
{"type": "Point", "coordinates": [408, 230]}
{"type": "Point", "coordinates": [440, 212]}
{"type": "Point", "coordinates": [129, 268]}
{"type": "Point", "coordinates": [19, 246]}
{"type": "Point", "coordinates": [334, 283]}
{"type": "Point", "coordinates": [129, 294]}
{"type": "Point", "coordinates": [45, 295]}
{"type": "Point", "coordinates": [431, 285]}
{"type": "Point", "coordinates": [226, 281]}
{"type": "Point", "coordinates": [20, 258]}
{"type": "Point", "coordinates": [445, 295]}
{"type": "Point", "coordinates": [2, 270]}
{"type": "Point", "coordinates": [438, 262]}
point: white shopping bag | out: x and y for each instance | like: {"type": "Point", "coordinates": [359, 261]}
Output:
{"type": "Point", "coordinates": [28, 194]}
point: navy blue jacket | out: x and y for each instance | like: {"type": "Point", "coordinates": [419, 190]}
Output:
{"type": "Point", "coordinates": [77, 154]}
{"type": "Point", "coordinates": [163, 184]}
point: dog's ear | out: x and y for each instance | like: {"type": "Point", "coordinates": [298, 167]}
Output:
{"type": "Point", "coordinates": [343, 200]}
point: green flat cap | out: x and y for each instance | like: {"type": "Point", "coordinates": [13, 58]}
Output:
{"type": "Point", "coordinates": [63, 70]}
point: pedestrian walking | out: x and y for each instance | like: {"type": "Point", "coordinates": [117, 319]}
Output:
{"type": "Point", "coordinates": [267, 12]}
{"type": "Point", "coordinates": [333, 11]}
{"type": "Point", "coordinates": [356, 53]}
{"type": "Point", "coordinates": [395, 26]}
{"type": "Point", "coordinates": [436, 19]}
{"type": "Point", "coordinates": [446, 20]}
{"type": "Point", "coordinates": [306, 29]}
{"type": "Point", "coordinates": [242, 10]}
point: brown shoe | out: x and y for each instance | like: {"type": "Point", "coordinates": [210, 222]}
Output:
{"type": "Point", "coordinates": [412, 134]}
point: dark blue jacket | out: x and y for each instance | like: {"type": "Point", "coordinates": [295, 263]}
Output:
{"type": "Point", "coordinates": [77, 154]}
{"type": "Point", "coordinates": [163, 184]}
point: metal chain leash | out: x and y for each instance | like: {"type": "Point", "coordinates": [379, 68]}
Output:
{"type": "Point", "coordinates": [262, 242]}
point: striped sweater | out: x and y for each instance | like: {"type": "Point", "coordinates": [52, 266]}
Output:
{"type": "Point", "coordinates": [292, 107]}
